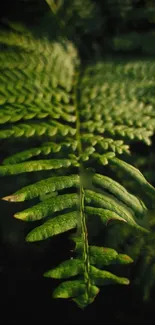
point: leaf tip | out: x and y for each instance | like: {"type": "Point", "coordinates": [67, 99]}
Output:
{"type": "Point", "coordinates": [46, 274]}
{"type": "Point", "coordinates": [125, 281]}
{"type": "Point", "coordinates": [125, 259]}
{"type": "Point", "coordinates": [9, 198]}
{"type": "Point", "coordinates": [14, 198]}
{"type": "Point", "coordinates": [21, 216]}
{"type": "Point", "coordinates": [28, 238]}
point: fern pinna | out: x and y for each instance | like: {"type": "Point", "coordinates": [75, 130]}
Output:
{"type": "Point", "coordinates": [85, 119]}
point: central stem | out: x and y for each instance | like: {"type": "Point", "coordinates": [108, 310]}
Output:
{"type": "Point", "coordinates": [83, 225]}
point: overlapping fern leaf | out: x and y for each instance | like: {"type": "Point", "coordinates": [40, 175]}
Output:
{"type": "Point", "coordinates": [84, 120]}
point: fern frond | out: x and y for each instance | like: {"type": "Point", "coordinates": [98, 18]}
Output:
{"type": "Point", "coordinates": [105, 143]}
{"type": "Point", "coordinates": [30, 113]}
{"type": "Point", "coordinates": [45, 186]}
{"type": "Point", "coordinates": [45, 150]}
{"type": "Point", "coordinates": [45, 208]}
{"type": "Point", "coordinates": [35, 165]}
{"type": "Point", "coordinates": [135, 175]}
{"type": "Point", "coordinates": [121, 193]}
{"type": "Point", "coordinates": [110, 203]}
{"type": "Point", "coordinates": [52, 227]}
{"type": "Point", "coordinates": [36, 129]}
{"type": "Point", "coordinates": [110, 106]}
{"type": "Point", "coordinates": [120, 130]}
{"type": "Point", "coordinates": [84, 129]}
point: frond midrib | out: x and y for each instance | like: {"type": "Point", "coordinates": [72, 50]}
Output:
{"type": "Point", "coordinates": [82, 222]}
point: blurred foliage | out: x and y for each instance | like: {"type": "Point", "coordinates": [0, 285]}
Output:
{"type": "Point", "coordinates": [97, 26]}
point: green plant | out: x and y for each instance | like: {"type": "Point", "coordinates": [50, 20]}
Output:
{"type": "Point", "coordinates": [82, 118]}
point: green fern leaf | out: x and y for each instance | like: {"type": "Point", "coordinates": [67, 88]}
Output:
{"type": "Point", "coordinates": [136, 175]}
{"type": "Point", "coordinates": [44, 209]}
{"type": "Point", "coordinates": [121, 193]}
{"type": "Point", "coordinates": [45, 150]}
{"type": "Point", "coordinates": [104, 277]}
{"type": "Point", "coordinates": [45, 186]}
{"type": "Point", "coordinates": [35, 166]}
{"type": "Point", "coordinates": [66, 269]}
{"type": "Point", "coordinates": [81, 118]}
{"type": "Point", "coordinates": [69, 289]}
{"type": "Point", "coordinates": [101, 256]}
{"type": "Point", "coordinates": [53, 227]}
